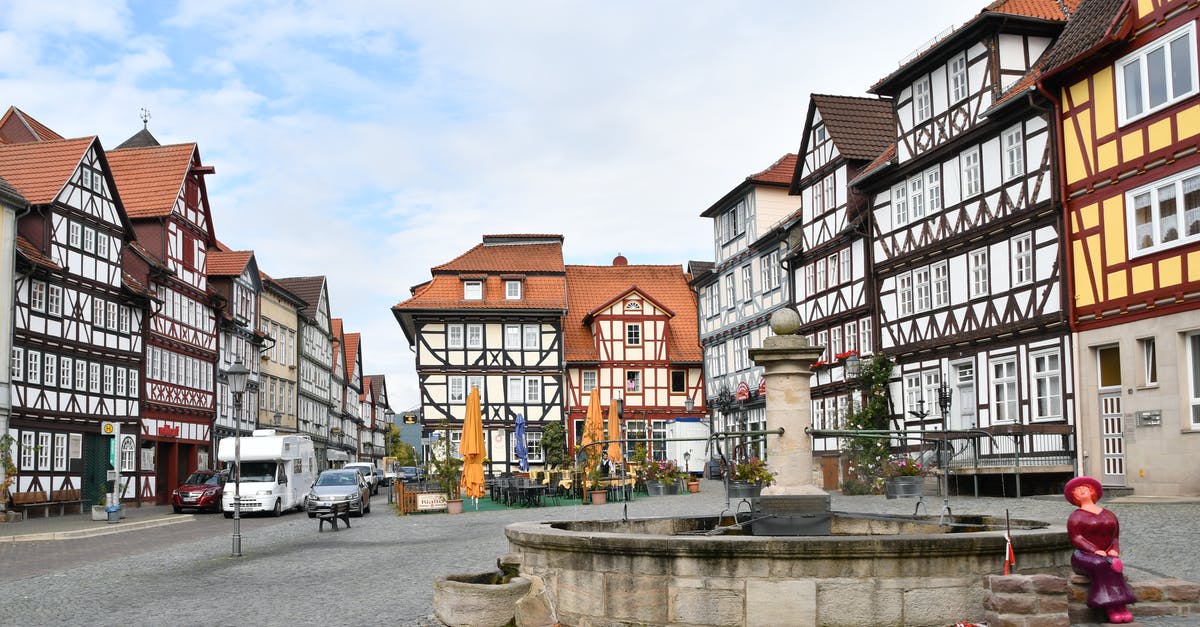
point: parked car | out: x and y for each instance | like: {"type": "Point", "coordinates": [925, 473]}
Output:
{"type": "Point", "coordinates": [368, 472]}
{"type": "Point", "coordinates": [200, 490]}
{"type": "Point", "coordinates": [381, 479]}
{"type": "Point", "coordinates": [409, 474]}
{"type": "Point", "coordinates": [336, 486]}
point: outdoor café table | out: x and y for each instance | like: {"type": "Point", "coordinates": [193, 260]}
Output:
{"type": "Point", "coordinates": [531, 495]}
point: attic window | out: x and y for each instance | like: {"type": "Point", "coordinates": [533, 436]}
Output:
{"type": "Point", "coordinates": [473, 290]}
{"type": "Point", "coordinates": [512, 290]}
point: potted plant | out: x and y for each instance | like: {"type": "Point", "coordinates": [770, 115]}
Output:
{"type": "Point", "coordinates": [446, 468]}
{"type": "Point", "coordinates": [670, 476]}
{"type": "Point", "coordinates": [652, 475]}
{"type": "Point", "coordinates": [905, 478]}
{"type": "Point", "coordinates": [597, 493]}
{"type": "Point", "coordinates": [748, 478]}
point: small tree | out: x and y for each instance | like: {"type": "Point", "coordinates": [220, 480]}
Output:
{"type": "Point", "coordinates": [868, 456]}
{"type": "Point", "coordinates": [554, 445]}
{"type": "Point", "coordinates": [446, 468]}
{"type": "Point", "coordinates": [404, 452]}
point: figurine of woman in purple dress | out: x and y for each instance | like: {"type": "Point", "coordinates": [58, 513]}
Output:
{"type": "Point", "coordinates": [1095, 531]}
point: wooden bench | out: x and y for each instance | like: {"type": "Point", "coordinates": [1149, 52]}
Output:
{"type": "Point", "coordinates": [37, 500]}
{"type": "Point", "coordinates": [336, 511]}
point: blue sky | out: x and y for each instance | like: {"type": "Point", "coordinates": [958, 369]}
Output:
{"type": "Point", "coordinates": [369, 141]}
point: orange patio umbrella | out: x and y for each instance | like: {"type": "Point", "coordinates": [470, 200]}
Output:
{"type": "Point", "coordinates": [593, 429]}
{"type": "Point", "coordinates": [471, 449]}
{"type": "Point", "coordinates": [614, 433]}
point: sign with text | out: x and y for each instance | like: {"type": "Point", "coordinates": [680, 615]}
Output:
{"type": "Point", "coordinates": [430, 501]}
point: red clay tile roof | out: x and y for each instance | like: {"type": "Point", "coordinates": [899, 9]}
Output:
{"type": "Point", "coordinates": [33, 255]}
{"type": "Point", "coordinates": [18, 127]}
{"type": "Point", "coordinates": [446, 292]}
{"type": "Point", "coordinates": [307, 288]}
{"type": "Point", "coordinates": [509, 253]}
{"type": "Point", "coordinates": [879, 163]}
{"type": "Point", "coordinates": [233, 263]}
{"type": "Point", "coordinates": [1043, 9]}
{"type": "Point", "coordinates": [40, 170]}
{"type": "Point", "coordinates": [778, 174]}
{"type": "Point", "coordinates": [861, 128]}
{"type": "Point", "coordinates": [150, 179]}
{"type": "Point", "coordinates": [350, 348]}
{"type": "Point", "coordinates": [590, 287]}
{"type": "Point", "coordinates": [134, 285]}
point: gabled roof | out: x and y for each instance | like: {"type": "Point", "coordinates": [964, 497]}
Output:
{"type": "Point", "coordinates": [509, 253]}
{"type": "Point", "coordinates": [778, 174]}
{"type": "Point", "coordinates": [140, 139]}
{"type": "Point", "coordinates": [308, 288]}
{"type": "Point", "coordinates": [39, 170]}
{"type": "Point", "coordinates": [151, 178]}
{"type": "Point", "coordinates": [351, 342]}
{"type": "Point", "coordinates": [335, 330]}
{"type": "Point", "coordinates": [274, 286]}
{"type": "Point", "coordinates": [31, 254]}
{"type": "Point", "coordinates": [1095, 24]}
{"type": "Point", "coordinates": [232, 263]}
{"type": "Point", "coordinates": [591, 287]}
{"type": "Point", "coordinates": [10, 195]}
{"type": "Point", "coordinates": [378, 388]}
{"type": "Point", "coordinates": [1028, 14]}
{"type": "Point", "coordinates": [18, 127]}
{"type": "Point", "coordinates": [861, 128]}
{"type": "Point", "coordinates": [876, 166]}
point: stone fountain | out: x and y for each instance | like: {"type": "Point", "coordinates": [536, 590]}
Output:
{"type": "Point", "coordinates": [797, 563]}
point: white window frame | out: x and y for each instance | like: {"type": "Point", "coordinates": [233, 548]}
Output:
{"type": "Point", "coordinates": [912, 393]}
{"type": "Point", "coordinates": [904, 294]}
{"type": "Point", "coordinates": [128, 450]}
{"type": "Point", "coordinates": [89, 240]}
{"type": "Point", "coordinates": [50, 369]}
{"type": "Point", "coordinates": [922, 289]}
{"type": "Point", "coordinates": [922, 100]}
{"type": "Point", "coordinates": [81, 375]}
{"type": "Point", "coordinates": [74, 234]}
{"type": "Point", "coordinates": [1004, 400]}
{"type": "Point", "coordinates": [45, 448]}
{"type": "Point", "coordinates": [1193, 363]}
{"type": "Point", "coordinates": [16, 364]}
{"type": "Point", "coordinates": [109, 378]}
{"type": "Point", "coordinates": [533, 446]}
{"type": "Point", "coordinates": [123, 382]}
{"type": "Point", "coordinates": [126, 319]}
{"type": "Point", "coordinates": [93, 377]}
{"type": "Point", "coordinates": [532, 340]}
{"type": "Point", "coordinates": [54, 300]}
{"type": "Point", "coordinates": [731, 290]}
{"type": "Point", "coordinates": [475, 381]}
{"type": "Point", "coordinates": [959, 89]}
{"type": "Point", "coordinates": [27, 450]}
{"type": "Point", "coordinates": [933, 190]}
{"type": "Point", "coordinates": [512, 290]}
{"type": "Point", "coordinates": [633, 381]}
{"type": "Point", "coordinates": [1146, 238]}
{"type": "Point", "coordinates": [1139, 58]}
{"type": "Point", "coordinates": [587, 381]}
{"type": "Point", "coordinates": [1013, 142]}
{"type": "Point", "coordinates": [37, 296]}
{"type": "Point", "coordinates": [512, 337]}
{"type": "Point", "coordinates": [1148, 348]}
{"type": "Point", "coordinates": [474, 336]}
{"type": "Point", "coordinates": [831, 262]}
{"type": "Point", "coordinates": [456, 390]}
{"type": "Point", "coordinates": [102, 245]}
{"type": "Point", "coordinates": [829, 191]}
{"type": "Point", "coordinates": [821, 285]}
{"type": "Point", "coordinates": [633, 334]}
{"type": "Point", "coordinates": [916, 197]}
{"type": "Point", "coordinates": [472, 290]}
{"type": "Point", "coordinates": [1022, 259]}
{"type": "Point", "coordinates": [978, 260]}
{"type": "Point", "coordinates": [845, 270]}
{"type": "Point", "coordinates": [60, 451]}
{"type": "Point", "coordinates": [455, 336]}
{"type": "Point", "coordinates": [865, 337]}
{"type": "Point", "coordinates": [747, 283]}
{"type": "Point", "coordinates": [533, 390]}
{"type": "Point", "coordinates": [33, 367]}
{"type": "Point", "coordinates": [941, 283]}
{"type": "Point", "coordinates": [66, 373]}
{"type": "Point", "coordinates": [516, 390]}
{"type": "Point", "coordinates": [851, 336]}
{"type": "Point", "coordinates": [133, 382]}
{"type": "Point", "coordinates": [972, 173]}
{"type": "Point", "coordinates": [900, 204]}
{"type": "Point", "coordinates": [1047, 382]}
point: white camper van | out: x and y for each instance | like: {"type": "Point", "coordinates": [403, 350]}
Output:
{"type": "Point", "coordinates": [277, 471]}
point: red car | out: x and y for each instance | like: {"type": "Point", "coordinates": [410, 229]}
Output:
{"type": "Point", "coordinates": [201, 490]}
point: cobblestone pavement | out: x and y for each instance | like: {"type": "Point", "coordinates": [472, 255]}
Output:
{"type": "Point", "coordinates": [381, 570]}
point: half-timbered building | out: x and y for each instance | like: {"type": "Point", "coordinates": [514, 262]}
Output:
{"type": "Point", "coordinates": [966, 232]}
{"type": "Point", "coordinates": [352, 395]}
{"type": "Point", "coordinates": [745, 285]}
{"type": "Point", "coordinates": [383, 415]}
{"type": "Point", "coordinates": [830, 260]}
{"type": "Point", "coordinates": [343, 427]}
{"type": "Point", "coordinates": [491, 319]}
{"type": "Point", "coordinates": [11, 203]}
{"type": "Point", "coordinates": [164, 191]}
{"type": "Point", "coordinates": [76, 355]}
{"type": "Point", "coordinates": [1124, 80]}
{"type": "Point", "coordinates": [234, 279]}
{"type": "Point", "coordinates": [630, 331]}
{"type": "Point", "coordinates": [315, 359]}
{"type": "Point", "coordinates": [372, 412]}
{"type": "Point", "coordinates": [278, 321]}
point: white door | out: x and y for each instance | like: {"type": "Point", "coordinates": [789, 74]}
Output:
{"type": "Point", "coordinates": [962, 413]}
{"type": "Point", "coordinates": [1112, 420]}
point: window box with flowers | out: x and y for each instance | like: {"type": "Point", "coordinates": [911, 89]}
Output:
{"type": "Point", "coordinates": [905, 478]}
{"type": "Point", "coordinates": [748, 478]}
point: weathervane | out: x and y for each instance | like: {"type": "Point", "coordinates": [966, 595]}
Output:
{"type": "Point", "coordinates": [145, 115]}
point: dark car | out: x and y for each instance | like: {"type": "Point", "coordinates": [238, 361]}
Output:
{"type": "Point", "coordinates": [336, 486]}
{"type": "Point", "coordinates": [409, 474]}
{"type": "Point", "coordinates": [200, 490]}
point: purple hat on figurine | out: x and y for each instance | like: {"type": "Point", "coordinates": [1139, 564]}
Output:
{"type": "Point", "coordinates": [1091, 482]}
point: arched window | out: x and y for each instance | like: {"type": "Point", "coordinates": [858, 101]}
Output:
{"type": "Point", "coordinates": [127, 450]}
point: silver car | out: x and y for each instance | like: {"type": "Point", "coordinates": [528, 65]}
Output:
{"type": "Point", "coordinates": [337, 486]}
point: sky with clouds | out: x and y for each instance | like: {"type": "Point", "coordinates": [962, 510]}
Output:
{"type": "Point", "coordinates": [369, 141]}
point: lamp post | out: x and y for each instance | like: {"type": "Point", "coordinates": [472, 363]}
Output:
{"type": "Point", "coordinates": [237, 377]}
{"type": "Point", "coordinates": [277, 419]}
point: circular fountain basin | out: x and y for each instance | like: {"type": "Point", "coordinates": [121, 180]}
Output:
{"type": "Point", "coordinates": [870, 570]}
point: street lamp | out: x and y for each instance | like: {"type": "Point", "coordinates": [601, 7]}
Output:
{"type": "Point", "coordinates": [277, 419]}
{"type": "Point", "coordinates": [237, 377]}
{"type": "Point", "coordinates": [853, 366]}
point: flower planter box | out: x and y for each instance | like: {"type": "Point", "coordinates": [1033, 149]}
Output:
{"type": "Point", "coordinates": [654, 488]}
{"type": "Point", "coordinates": [903, 487]}
{"type": "Point", "coordinates": [672, 487]}
{"type": "Point", "coordinates": [737, 489]}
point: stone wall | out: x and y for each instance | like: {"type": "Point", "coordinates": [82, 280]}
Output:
{"type": "Point", "coordinates": [1050, 601]}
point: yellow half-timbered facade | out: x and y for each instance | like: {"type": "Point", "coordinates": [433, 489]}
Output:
{"type": "Point", "coordinates": [1126, 84]}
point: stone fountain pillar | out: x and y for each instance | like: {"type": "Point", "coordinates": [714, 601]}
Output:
{"type": "Point", "coordinates": [798, 506]}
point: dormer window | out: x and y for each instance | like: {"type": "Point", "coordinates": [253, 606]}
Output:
{"type": "Point", "coordinates": [472, 290]}
{"type": "Point", "coordinates": [512, 290]}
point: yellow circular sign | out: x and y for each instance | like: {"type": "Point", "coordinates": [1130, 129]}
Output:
{"type": "Point", "coordinates": [108, 428]}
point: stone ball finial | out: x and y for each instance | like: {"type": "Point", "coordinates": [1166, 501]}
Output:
{"type": "Point", "coordinates": [785, 321]}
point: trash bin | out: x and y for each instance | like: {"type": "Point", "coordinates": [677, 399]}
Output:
{"type": "Point", "coordinates": [114, 513]}
{"type": "Point", "coordinates": [712, 469]}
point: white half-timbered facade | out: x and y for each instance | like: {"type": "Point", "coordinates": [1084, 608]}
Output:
{"type": "Point", "coordinates": [315, 359]}
{"type": "Point", "coordinates": [966, 255]}
{"type": "Point", "coordinates": [744, 286]}
{"type": "Point", "coordinates": [491, 319]}
{"type": "Point", "coordinates": [831, 257]}
{"type": "Point", "coordinates": [630, 332]}
{"type": "Point", "coordinates": [167, 200]}
{"type": "Point", "coordinates": [234, 278]}
{"type": "Point", "coordinates": [76, 354]}
{"type": "Point", "coordinates": [11, 203]}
